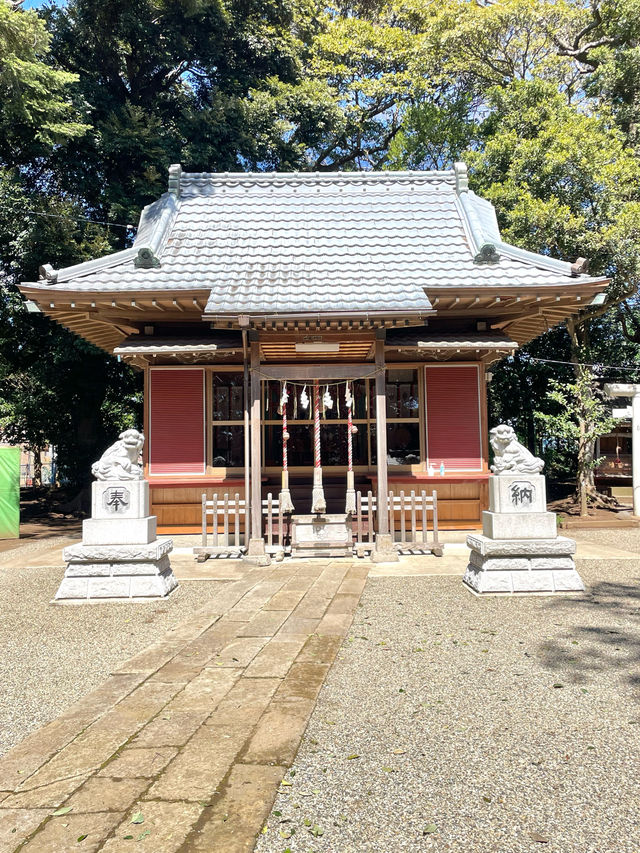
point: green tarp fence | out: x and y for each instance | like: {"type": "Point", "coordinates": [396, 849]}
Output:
{"type": "Point", "coordinates": [9, 492]}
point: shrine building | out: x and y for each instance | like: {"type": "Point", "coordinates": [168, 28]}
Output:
{"type": "Point", "coordinates": [363, 309]}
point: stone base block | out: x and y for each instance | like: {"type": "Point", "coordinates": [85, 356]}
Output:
{"type": "Point", "coordinates": [119, 531]}
{"type": "Point", "coordinates": [83, 553]}
{"type": "Point", "coordinates": [321, 535]}
{"type": "Point", "coordinates": [119, 499]}
{"type": "Point", "coordinates": [522, 493]}
{"type": "Point", "coordinates": [522, 567]}
{"type": "Point", "coordinates": [256, 554]}
{"type": "Point", "coordinates": [519, 525]}
{"type": "Point", "coordinates": [99, 573]}
{"type": "Point", "coordinates": [558, 545]}
{"type": "Point", "coordinates": [384, 551]}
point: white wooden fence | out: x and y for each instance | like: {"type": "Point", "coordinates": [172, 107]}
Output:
{"type": "Point", "coordinates": [410, 516]}
{"type": "Point", "coordinates": [221, 528]}
{"type": "Point", "coordinates": [413, 524]}
{"type": "Point", "coordinates": [277, 526]}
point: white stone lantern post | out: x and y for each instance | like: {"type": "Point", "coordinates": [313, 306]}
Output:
{"type": "Point", "coordinates": [624, 389]}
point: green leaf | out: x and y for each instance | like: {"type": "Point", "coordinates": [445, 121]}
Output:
{"type": "Point", "coordinates": [316, 831]}
{"type": "Point", "coordinates": [64, 810]}
{"type": "Point", "coordinates": [352, 756]}
{"type": "Point", "coordinates": [137, 818]}
{"type": "Point", "coordinates": [429, 829]}
{"type": "Point", "coordinates": [82, 837]}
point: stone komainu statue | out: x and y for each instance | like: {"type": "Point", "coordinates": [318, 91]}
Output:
{"type": "Point", "coordinates": [511, 457]}
{"type": "Point", "coordinates": [121, 461]}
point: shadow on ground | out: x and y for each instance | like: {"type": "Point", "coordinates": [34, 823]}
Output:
{"type": "Point", "coordinates": [604, 634]}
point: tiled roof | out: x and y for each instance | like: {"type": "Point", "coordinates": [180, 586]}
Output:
{"type": "Point", "coordinates": [144, 345]}
{"type": "Point", "coordinates": [305, 243]}
{"type": "Point", "coordinates": [424, 338]}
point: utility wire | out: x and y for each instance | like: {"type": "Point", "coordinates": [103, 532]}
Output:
{"type": "Point", "coordinates": [81, 219]}
{"type": "Point", "coordinates": [582, 364]}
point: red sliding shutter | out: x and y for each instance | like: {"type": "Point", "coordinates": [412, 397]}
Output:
{"type": "Point", "coordinates": [453, 417]}
{"type": "Point", "coordinates": [176, 421]}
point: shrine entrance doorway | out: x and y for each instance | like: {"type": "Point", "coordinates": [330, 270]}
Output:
{"type": "Point", "coordinates": [316, 424]}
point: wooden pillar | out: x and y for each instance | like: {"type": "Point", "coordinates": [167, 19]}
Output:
{"type": "Point", "coordinates": [247, 436]}
{"type": "Point", "coordinates": [384, 550]}
{"type": "Point", "coordinates": [381, 434]}
{"type": "Point", "coordinates": [256, 543]}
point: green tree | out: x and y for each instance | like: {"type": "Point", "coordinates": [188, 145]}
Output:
{"type": "Point", "coordinates": [581, 417]}
{"type": "Point", "coordinates": [167, 81]}
{"type": "Point", "coordinates": [54, 388]}
{"type": "Point", "coordinates": [36, 106]}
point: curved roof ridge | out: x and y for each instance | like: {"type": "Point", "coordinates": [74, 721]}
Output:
{"type": "Point", "coordinates": [389, 175]}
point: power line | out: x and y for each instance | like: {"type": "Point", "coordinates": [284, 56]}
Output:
{"type": "Point", "coordinates": [583, 364]}
{"type": "Point", "coordinates": [81, 219]}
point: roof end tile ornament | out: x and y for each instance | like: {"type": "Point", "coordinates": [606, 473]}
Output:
{"type": "Point", "coordinates": [486, 254]}
{"type": "Point", "coordinates": [146, 260]}
{"type": "Point", "coordinates": [462, 177]}
{"type": "Point", "coordinates": [580, 266]}
{"type": "Point", "coordinates": [175, 176]}
{"type": "Point", "coordinates": [47, 273]}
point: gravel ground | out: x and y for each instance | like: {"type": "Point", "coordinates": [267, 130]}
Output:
{"type": "Point", "coordinates": [455, 723]}
{"type": "Point", "coordinates": [52, 656]}
{"type": "Point", "coordinates": [620, 537]}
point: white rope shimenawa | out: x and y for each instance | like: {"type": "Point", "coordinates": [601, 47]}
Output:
{"type": "Point", "coordinates": [286, 504]}
{"type": "Point", "coordinates": [318, 503]}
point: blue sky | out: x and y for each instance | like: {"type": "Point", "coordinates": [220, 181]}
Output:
{"type": "Point", "coordinates": [35, 4]}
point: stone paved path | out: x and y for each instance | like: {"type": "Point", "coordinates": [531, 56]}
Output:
{"type": "Point", "coordinates": [193, 736]}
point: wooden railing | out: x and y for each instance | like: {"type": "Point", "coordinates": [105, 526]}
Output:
{"type": "Point", "coordinates": [410, 516]}
{"type": "Point", "coordinates": [276, 526]}
{"type": "Point", "coordinates": [364, 522]}
{"type": "Point", "coordinates": [413, 524]}
{"type": "Point", "coordinates": [221, 518]}
{"type": "Point", "coordinates": [412, 530]}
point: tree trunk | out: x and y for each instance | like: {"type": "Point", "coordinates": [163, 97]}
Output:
{"type": "Point", "coordinates": [37, 466]}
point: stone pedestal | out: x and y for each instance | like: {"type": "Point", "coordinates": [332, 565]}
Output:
{"type": "Point", "coordinates": [519, 550]}
{"type": "Point", "coordinates": [120, 556]}
{"type": "Point", "coordinates": [384, 551]}
{"type": "Point", "coordinates": [321, 536]}
{"type": "Point", "coordinates": [256, 554]}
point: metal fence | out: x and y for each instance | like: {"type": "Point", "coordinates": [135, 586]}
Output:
{"type": "Point", "coordinates": [48, 474]}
